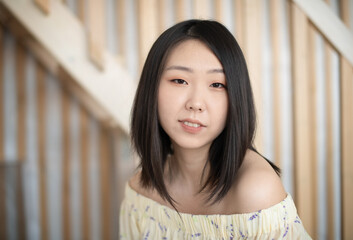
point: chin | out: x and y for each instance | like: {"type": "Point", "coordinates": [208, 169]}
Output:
{"type": "Point", "coordinates": [191, 144]}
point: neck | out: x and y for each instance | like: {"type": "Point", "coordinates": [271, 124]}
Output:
{"type": "Point", "coordinates": [186, 167]}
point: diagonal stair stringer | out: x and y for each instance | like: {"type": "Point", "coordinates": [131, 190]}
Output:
{"type": "Point", "coordinates": [109, 92]}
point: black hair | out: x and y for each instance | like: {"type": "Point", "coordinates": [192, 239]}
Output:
{"type": "Point", "coordinates": [227, 151]}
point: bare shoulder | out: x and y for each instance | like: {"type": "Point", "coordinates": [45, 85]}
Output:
{"type": "Point", "coordinates": [135, 184]}
{"type": "Point", "coordinates": [257, 186]}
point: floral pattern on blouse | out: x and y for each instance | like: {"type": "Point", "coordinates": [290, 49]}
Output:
{"type": "Point", "coordinates": [143, 218]}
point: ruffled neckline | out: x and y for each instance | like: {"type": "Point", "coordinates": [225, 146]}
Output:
{"type": "Point", "coordinates": [266, 220]}
{"type": "Point", "coordinates": [129, 191]}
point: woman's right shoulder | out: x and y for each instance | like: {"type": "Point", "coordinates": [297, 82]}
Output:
{"type": "Point", "coordinates": [134, 182]}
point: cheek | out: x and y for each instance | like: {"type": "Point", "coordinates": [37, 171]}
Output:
{"type": "Point", "coordinates": [220, 111]}
{"type": "Point", "coordinates": [164, 106]}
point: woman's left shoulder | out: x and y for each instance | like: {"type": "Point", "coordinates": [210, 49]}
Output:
{"type": "Point", "coordinates": [257, 185]}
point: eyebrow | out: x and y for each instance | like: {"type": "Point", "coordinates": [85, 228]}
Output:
{"type": "Point", "coordinates": [186, 69]}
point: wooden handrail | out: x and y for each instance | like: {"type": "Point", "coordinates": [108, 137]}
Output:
{"type": "Point", "coordinates": [63, 36]}
{"type": "Point", "coordinates": [329, 25]}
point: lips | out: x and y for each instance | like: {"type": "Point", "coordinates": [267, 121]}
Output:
{"type": "Point", "coordinates": [192, 125]}
{"type": "Point", "coordinates": [192, 122]}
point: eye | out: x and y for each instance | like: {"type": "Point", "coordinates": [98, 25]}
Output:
{"type": "Point", "coordinates": [218, 85]}
{"type": "Point", "coordinates": [179, 81]}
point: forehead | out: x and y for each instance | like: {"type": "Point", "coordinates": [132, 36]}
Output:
{"type": "Point", "coordinates": [192, 53]}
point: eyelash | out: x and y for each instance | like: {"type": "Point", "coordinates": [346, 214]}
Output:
{"type": "Point", "coordinates": [179, 81]}
{"type": "Point", "coordinates": [219, 85]}
{"type": "Point", "coordinates": [215, 85]}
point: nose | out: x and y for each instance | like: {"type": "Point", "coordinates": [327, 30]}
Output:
{"type": "Point", "coordinates": [195, 102]}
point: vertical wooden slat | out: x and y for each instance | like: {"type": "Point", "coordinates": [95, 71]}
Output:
{"type": "Point", "coordinates": [44, 5]}
{"type": "Point", "coordinates": [21, 225]}
{"type": "Point", "coordinates": [180, 7]}
{"type": "Point", "coordinates": [302, 119]}
{"type": "Point", "coordinates": [2, 80]}
{"type": "Point", "coordinates": [3, 220]}
{"type": "Point", "coordinates": [21, 138]}
{"type": "Point", "coordinates": [105, 189]}
{"type": "Point", "coordinates": [121, 31]}
{"type": "Point", "coordinates": [81, 10]}
{"type": "Point", "coordinates": [202, 9]}
{"type": "Point", "coordinates": [114, 153]}
{"type": "Point", "coordinates": [252, 46]}
{"type": "Point", "coordinates": [275, 21]}
{"type": "Point", "coordinates": [346, 135]}
{"type": "Point", "coordinates": [148, 27]}
{"type": "Point", "coordinates": [84, 173]}
{"type": "Point", "coordinates": [329, 142]}
{"type": "Point", "coordinates": [21, 101]}
{"type": "Point", "coordinates": [312, 123]}
{"type": "Point", "coordinates": [66, 223]}
{"type": "Point", "coordinates": [239, 23]}
{"type": "Point", "coordinates": [328, 50]}
{"type": "Point", "coordinates": [96, 32]}
{"type": "Point", "coordinates": [41, 100]}
{"type": "Point", "coordinates": [219, 10]}
{"type": "Point", "coordinates": [162, 16]}
{"type": "Point", "coordinates": [347, 147]}
{"type": "Point", "coordinates": [2, 157]}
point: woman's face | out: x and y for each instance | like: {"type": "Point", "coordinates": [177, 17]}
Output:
{"type": "Point", "coordinates": [192, 96]}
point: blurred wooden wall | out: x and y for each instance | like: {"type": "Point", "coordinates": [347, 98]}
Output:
{"type": "Point", "coordinates": [71, 167]}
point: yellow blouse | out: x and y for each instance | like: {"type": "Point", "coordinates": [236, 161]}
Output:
{"type": "Point", "coordinates": [143, 218]}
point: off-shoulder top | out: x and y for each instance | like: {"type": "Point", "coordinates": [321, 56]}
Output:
{"type": "Point", "coordinates": [144, 218]}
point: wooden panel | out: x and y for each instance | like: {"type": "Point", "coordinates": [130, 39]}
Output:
{"type": "Point", "coordinates": [21, 224]}
{"type": "Point", "coordinates": [328, 50]}
{"type": "Point", "coordinates": [2, 81]}
{"type": "Point", "coordinates": [346, 135]}
{"type": "Point", "coordinates": [219, 10]}
{"type": "Point", "coordinates": [96, 32]}
{"type": "Point", "coordinates": [275, 22]}
{"type": "Point", "coordinates": [41, 100]}
{"type": "Point", "coordinates": [21, 135]}
{"type": "Point", "coordinates": [312, 123]}
{"type": "Point", "coordinates": [3, 220]}
{"type": "Point", "coordinates": [121, 12]}
{"type": "Point", "coordinates": [66, 223]}
{"type": "Point", "coordinates": [105, 189]}
{"type": "Point", "coordinates": [84, 173]}
{"type": "Point", "coordinates": [347, 147]}
{"type": "Point", "coordinates": [239, 23]}
{"type": "Point", "coordinates": [21, 102]}
{"type": "Point", "coordinates": [252, 46]}
{"type": "Point", "coordinates": [329, 142]}
{"type": "Point", "coordinates": [302, 119]}
{"type": "Point", "coordinates": [148, 27]}
{"type": "Point", "coordinates": [81, 10]}
{"type": "Point", "coordinates": [44, 5]}
{"type": "Point", "coordinates": [114, 150]}
{"type": "Point", "coordinates": [162, 15]}
{"type": "Point", "coordinates": [180, 7]}
{"type": "Point", "coordinates": [2, 157]}
{"type": "Point", "coordinates": [202, 9]}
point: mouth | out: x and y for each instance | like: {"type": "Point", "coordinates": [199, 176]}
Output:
{"type": "Point", "coordinates": [192, 123]}
{"type": "Point", "coordinates": [195, 125]}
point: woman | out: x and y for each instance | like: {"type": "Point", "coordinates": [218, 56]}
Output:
{"type": "Point", "coordinates": [193, 124]}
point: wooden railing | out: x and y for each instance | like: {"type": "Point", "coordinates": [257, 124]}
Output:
{"type": "Point", "coordinates": [300, 62]}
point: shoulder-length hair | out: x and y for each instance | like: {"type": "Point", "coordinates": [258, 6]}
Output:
{"type": "Point", "coordinates": [227, 151]}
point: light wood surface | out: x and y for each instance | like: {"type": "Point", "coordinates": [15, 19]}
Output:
{"type": "Point", "coordinates": [303, 145]}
